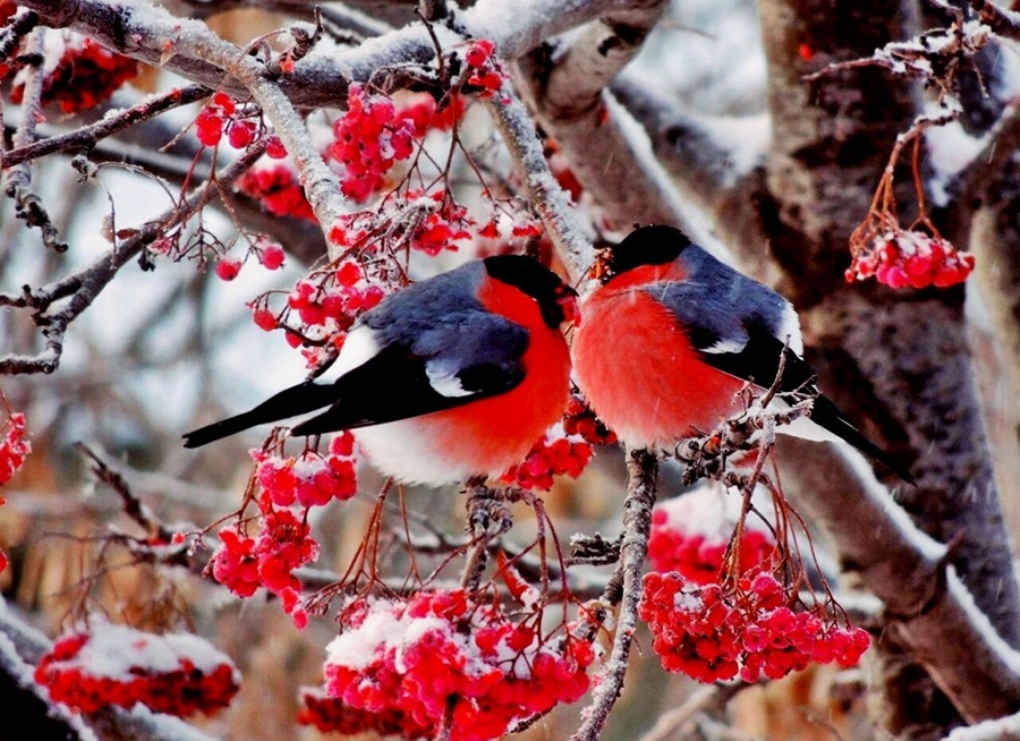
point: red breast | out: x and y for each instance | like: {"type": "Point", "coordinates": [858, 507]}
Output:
{"type": "Point", "coordinates": [491, 434]}
{"type": "Point", "coordinates": [638, 369]}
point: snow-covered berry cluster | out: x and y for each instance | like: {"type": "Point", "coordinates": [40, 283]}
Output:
{"type": "Point", "coordinates": [276, 187]}
{"type": "Point", "coordinates": [410, 661]}
{"type": "Point", "coordinates": [484, 70]}
{"type": "Point", "coordinates": [85, 75]}
{"type": "Point", "coordinates": [240, 123]}
{"type": "Point", "coordinates": [179, 674]}
{"type": "Point", "coordinates": [902, 259]}
{"type": "Point", "coordinates": [310, 479]}
{"type": "Point", "coordinates": [14, 448]}
{"type": "Point", "coordinates": [691, 533]}
{"type": "Point", "coordinates": [283, 542]}
{"type": "Point", "coordinates": [368, 139]}
{"type": "Point", "coordinates": [715, 633]}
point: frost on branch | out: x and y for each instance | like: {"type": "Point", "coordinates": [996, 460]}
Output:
{"type": "Point", "coordinates": [176, 673]}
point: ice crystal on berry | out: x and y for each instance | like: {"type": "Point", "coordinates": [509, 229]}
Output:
{"type": "Point", "coordinates": [179, 674]}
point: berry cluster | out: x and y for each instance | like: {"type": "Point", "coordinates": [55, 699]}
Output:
{"type": "Point", "coordinates": [425, 114]}
{"type": "Point", "coordinates": [582, 421]}
{"type": "Point", "coordinates": [326, 302]}
{"type": "Point", "coordinates": [14, 448]}
{"type": "Point", "coordinates": [328, 714]}
{"type": "Point", "coordinates": [310, 479]}
{"type": "Point", "coordinates": [425, 222]}
{"type": "Point", "coordinates": [912, 259]}
{"type": "Point", "coordinates": [410, 661]}
{"type": "Point", "coordinates": [242, 564]}
{"type": "Point", "coordinates": [86, 75]}
{"type": "Point", "coordinates": [223, 115]}
{"type": "Point", "coordinates": [368, 139]}
{"type": "Point", "coordinates": [566, 448]}
{"type": "Point", "coordinates": [714, 633]}
{"type": "Point", "coordinates": [277, 188]}
{"type": "Point", "coordinates": [484, 70]}
{"type": "Point", "coordinates": [179, 674]}
{"type": "Point", "coordinates": [691, 533]}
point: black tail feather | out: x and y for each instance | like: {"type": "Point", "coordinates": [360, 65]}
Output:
{"type": "Point", "coordinates": [300, 399]}
{"type": "Point", "coordinates": [825, 414]}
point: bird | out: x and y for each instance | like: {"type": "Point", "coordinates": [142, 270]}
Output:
{"type": "Point", "coordinates": [453, 377]}
{"type": "Point", "coordinates": [671, 336]}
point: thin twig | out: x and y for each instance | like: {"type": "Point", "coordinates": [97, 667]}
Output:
{"type": "Point", "coordinates": [87, 136]}
{"type": "Point", "coordinates": [28, 206]}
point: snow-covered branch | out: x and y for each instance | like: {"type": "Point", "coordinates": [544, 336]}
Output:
{"type": "Point", "coordinates": [932, 612]}
{"type": "Point", "coordinates": [151, 34]}
{"type": "Point", "coordinates": [566, 85]}
{"type": "Point", "coordinates": [544, 193]}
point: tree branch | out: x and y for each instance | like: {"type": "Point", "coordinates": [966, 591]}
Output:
{"type": "Point", "coordinates": [321, 79]}
{"type": "Point", "coordinates": [930, 611]}
{"type": "Point", "coordinates": [544, 193]}
{"type": "Point", "coordinates": [642, 470]}
{"type": "Point", "coordinates": [566, 87]}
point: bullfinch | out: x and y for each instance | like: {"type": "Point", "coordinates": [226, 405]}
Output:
{"type": "Point", "coordinates": [453, 377]}
{"type": "Point", "coordinates": [671, 336]}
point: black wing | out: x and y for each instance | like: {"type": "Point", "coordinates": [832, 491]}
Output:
{"type": "Point", "coordinates": [466, 357]}
{"type": "Point", "coordinates": [758, 361]}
